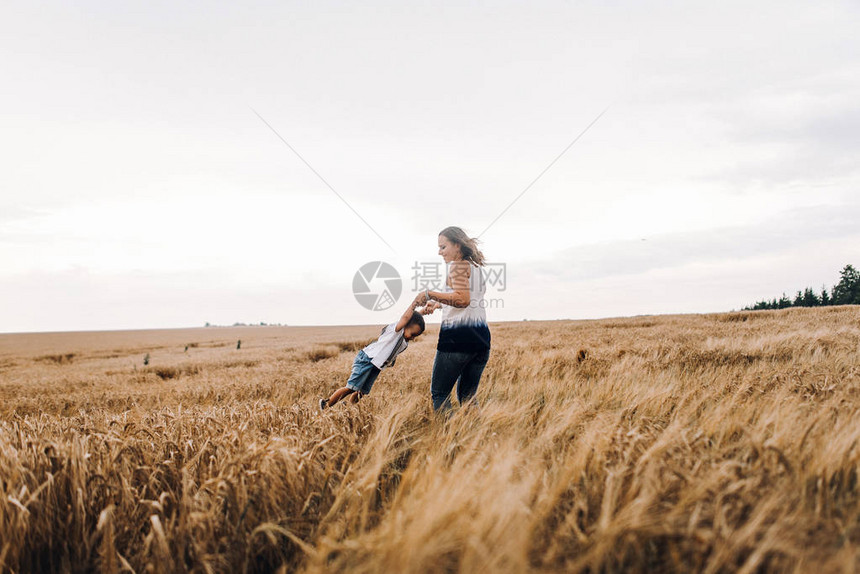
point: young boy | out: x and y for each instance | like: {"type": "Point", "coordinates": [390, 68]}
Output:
{"type": "Point", "coordinates": [378, 355]}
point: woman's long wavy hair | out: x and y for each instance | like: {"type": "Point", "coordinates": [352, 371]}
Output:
{"type": "Point", "coordinates": [468, 245]}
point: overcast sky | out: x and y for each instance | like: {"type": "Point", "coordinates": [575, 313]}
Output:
{"type": "Point", "coordinates": [139, 189]}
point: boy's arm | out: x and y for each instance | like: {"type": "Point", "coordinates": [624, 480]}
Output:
{"type": "Point", "coordinates": [404, 319]}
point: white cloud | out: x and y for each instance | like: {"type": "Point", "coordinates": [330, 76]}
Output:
{"type": "Point", "coordinates": [786, 233]}
{"type": "Point", "coordinates": [131, 155]}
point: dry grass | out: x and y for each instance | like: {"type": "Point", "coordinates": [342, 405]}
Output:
{"type": "Point", "coordinates": [714, 443]}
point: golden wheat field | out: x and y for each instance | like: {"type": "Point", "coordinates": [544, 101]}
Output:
{"type": "Point", "coordinates": [712, 443]}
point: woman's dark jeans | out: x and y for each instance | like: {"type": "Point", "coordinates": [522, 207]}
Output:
{"type": "Point", "coordinates": [450, 366]}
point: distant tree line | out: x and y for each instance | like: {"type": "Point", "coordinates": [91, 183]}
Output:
{"type": "Point", "coordinates": [846, 292]}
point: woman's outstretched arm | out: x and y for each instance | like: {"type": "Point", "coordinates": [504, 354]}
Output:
{"type": "Point", "coordinates": [458, 274]}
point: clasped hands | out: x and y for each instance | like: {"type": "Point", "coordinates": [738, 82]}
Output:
{"type": "Point", "coordinates": [427, 305]}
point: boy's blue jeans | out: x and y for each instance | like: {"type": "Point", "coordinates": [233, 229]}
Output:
{"type": "Point", "coordinates": [448, 367]}
{"type": "Point", "coordinates": [363, 374]}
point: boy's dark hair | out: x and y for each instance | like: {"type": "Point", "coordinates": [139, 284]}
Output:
{"type": "Point", "coordinates": [417, 319]}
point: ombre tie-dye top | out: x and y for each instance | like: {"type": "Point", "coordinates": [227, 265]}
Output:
{"type": "Point", "coordinates": [464, 329]}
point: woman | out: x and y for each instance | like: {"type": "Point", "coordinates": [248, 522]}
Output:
{"type": "Point", "coordinates": [464, 339]}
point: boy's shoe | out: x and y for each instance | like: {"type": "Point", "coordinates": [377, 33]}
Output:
{"type": "Point", "coordinates": [323, 404]}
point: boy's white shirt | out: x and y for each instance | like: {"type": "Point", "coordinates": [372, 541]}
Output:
{"type": "Point", "coordinates": [383, 348]}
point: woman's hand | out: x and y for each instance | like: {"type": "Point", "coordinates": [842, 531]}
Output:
{"type": "Point", "coordinates": [420, 299]}
{"type": "Point", "coordinates": [430, 307]}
